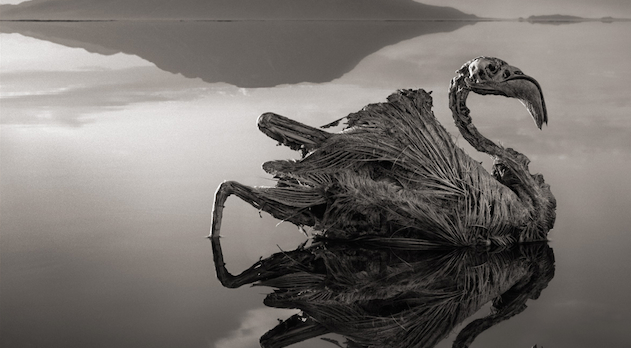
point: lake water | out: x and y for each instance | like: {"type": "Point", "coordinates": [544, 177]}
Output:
{"type": "Point", "coordinates": [115, 136]}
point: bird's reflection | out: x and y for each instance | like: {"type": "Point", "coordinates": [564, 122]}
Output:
{"type": "Point", "coordinates": [387, 293]}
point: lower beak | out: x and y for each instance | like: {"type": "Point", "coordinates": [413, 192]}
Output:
{"type": "Point", "coordinates": [528, 91]}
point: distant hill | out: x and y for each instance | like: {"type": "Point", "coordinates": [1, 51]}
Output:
{"type": "Point", "coordinates": [558, 19]}
{"type": "Point", "coordinates": [244, 54]}
{"type": "Point", "coordinates": [226, 9]}
{"type": "Point", "coordinates": [555, 18]}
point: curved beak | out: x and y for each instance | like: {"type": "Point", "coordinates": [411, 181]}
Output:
{"type": "Point", "coordinates": [528, 91]}
{"type": "Point", "coordinates": [511, 82]}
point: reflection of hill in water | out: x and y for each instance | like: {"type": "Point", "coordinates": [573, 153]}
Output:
{"type": "Point", "coordinates": [246, 53]}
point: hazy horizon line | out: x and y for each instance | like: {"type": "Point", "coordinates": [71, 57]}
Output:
{"type": "Point", "coordinates": [477, 19]}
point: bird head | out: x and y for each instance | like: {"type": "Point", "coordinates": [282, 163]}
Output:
{"type": "Point", "coordinates": [487, 75]}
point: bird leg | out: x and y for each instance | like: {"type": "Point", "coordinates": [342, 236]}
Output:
{"type": "Point", "coordinates": [291, 203]}
{"type": "Point", "coordinates": [295, 135]}
{"type": "Point", "coordinates": [275, 266]}
{"type": "Point", "coordinates": [286, 203]}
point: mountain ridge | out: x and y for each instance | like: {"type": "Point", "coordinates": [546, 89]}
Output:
{"type": "Point", "coordinates": [227, 9]}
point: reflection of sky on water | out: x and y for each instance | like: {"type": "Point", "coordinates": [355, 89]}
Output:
{"type": "Point", "coordinates": [109, 165]}
{"type": "Point", "coordinates": [68, 95]}
{"type": "Point", "coordinates": [254, 324]}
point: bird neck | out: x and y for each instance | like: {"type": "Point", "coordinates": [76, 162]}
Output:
{"type": "Point", "coordinates": [510, 166]}
{"type": "Point", "coordinates": [513, 160]}
{"type": "Point", "coordinates": [458, 93]}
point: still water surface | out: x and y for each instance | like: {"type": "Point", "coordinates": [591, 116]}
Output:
{"type": "Point", "coordinates": [112, 148]}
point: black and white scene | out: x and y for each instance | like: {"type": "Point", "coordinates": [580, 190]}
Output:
{"type": "Point", "coordinates": [315, 173]}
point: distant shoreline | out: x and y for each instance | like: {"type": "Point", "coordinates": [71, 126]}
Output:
{"type": "Point", "coordinates": [526, 20]}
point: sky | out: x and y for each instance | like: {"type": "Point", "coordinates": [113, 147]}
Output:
{"type": "Point", "coordinates": [520, 8]}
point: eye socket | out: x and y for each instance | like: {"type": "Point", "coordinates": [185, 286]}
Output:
{"type": "Point", "coordinates": [492, 68]}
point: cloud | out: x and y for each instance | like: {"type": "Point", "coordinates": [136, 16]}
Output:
{"type": "Point", "coordinates": [73, 98]}
{"type": "Point", "coordinates": [254, 324]}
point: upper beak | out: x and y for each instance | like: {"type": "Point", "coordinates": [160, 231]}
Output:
{"type": "Point", "coordinates": [511, 82]}
{"type": "Point", "coordinates": [528, 91]}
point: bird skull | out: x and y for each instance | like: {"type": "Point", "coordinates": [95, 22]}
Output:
{"type": "Point", "coordinates": [487, 75]}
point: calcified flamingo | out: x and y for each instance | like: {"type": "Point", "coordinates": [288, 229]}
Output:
{"type": "Point", "coordinates": [395, 170]}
